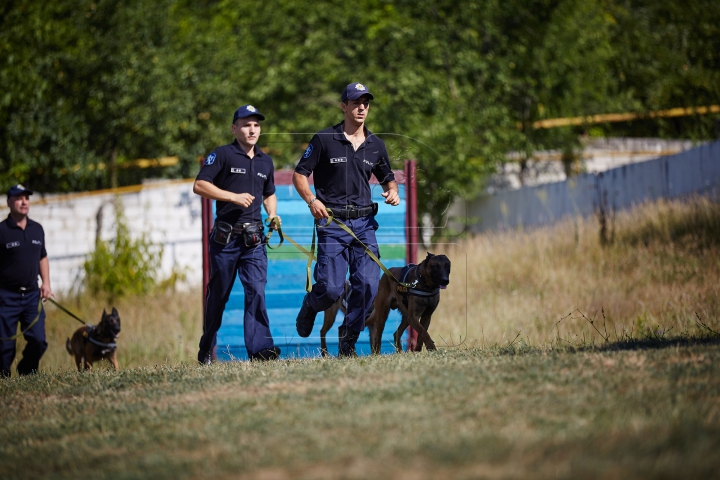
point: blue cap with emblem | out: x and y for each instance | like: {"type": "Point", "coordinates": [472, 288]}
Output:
{"type": "Point", "coordinates": [355, 91]}
{"type": "Point", "coordinates": [247, 111]}
{"type": "Point", "coordinates": [18, 190]}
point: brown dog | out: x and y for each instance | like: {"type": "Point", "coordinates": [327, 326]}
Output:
{"type": "Point", "coordinates": [416, 304]}
{"type": "Point", "coordinates": [91, 344]}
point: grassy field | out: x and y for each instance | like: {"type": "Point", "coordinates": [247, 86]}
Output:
{"type": "Point", "coordinates": [559, 358]}
{"type": "Point", "coordinates": [462, 413]}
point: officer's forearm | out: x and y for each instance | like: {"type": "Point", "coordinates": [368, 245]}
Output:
{"type": "Point", "coordinates": [45, 271]}
{"type": "Point", "coordinates": [270, 204]}
{"type": "Point", "coordinates": [391, 185]}
{"type": "Point", "coordinates": [302, 185]}
{"type": "Point", "coordinates": [209, 190]}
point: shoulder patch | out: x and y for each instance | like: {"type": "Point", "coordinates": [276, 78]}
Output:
{"type": "Point", "coordinates": [308, 151]}
{"type": "Point", "coordinates": [210, 159]}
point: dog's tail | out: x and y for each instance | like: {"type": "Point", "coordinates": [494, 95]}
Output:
{"type": "Point", "coordinates": [68, 347]}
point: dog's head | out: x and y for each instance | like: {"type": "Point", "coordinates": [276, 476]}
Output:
{"type": "Point", "coordinates": [109, 325]}
{"type": "Point", "coordinates": [436, 269]}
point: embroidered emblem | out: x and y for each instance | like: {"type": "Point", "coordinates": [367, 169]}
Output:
{"type": "Point", "coordinates": [36, 242]}
{"type": "Point", "coordinates": [251, 108]}
{"type": "Point", "coordinates": [237, 170]}
{"type": "Point", "coordinates": [338, 160]}
{"type": "Point", "coordinates": [359, 86]}
{"type": "Point", "coordinates": [365, 161]}
{"type": "Point", "coordinates": [308, 151]}
{"type": "Point", "coordinates": [262, 175]}
{"type": "Point", "coordinates": [210, 159]}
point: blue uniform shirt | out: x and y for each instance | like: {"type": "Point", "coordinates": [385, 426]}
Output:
{"type": "Point", "coordinates": [20, 254]}
{"type": "Point", "coordinates": [341, 174]}
{"type": "Point", "coordinates": [229, 168]}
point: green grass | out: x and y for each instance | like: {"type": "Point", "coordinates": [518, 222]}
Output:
{"type": "Point", "coordinates": [460, 413]}
{"type": "Point", "coordinates": [574, 361]}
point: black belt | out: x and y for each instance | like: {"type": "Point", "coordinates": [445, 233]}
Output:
{"type": "Point", "coordinates": [19, 289]}
{"type": "Point", "coordinates": [348, 212]}
{"type": "Point", "coordinates": [238, 228]}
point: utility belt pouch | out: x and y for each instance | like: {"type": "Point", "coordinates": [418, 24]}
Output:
{"type": "Point", "coordinates": [374, 208]}
{"type": "Point", "coordinates": [223, 233]}
{"type": "Point", "coordinates": [252, 234]}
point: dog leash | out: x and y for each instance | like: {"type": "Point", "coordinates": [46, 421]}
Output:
{"type": "Point", "coordinates": [310, 254]}
{"type": "Point", "coordinates": [70, 313]}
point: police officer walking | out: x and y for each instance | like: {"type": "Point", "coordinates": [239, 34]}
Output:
{"type": "Point", "coordinates": [22, 258]}
{"type": "Point", "coordinates": [241, 178]}
{"type": "Point", "coordinates": [342, 159]}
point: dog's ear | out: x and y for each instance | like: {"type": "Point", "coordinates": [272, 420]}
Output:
{"type": "Point", "coordinates": [104, 314]}
{"type": "Point", "coordinates": [429, 255]}
{"type": "Point", "coordinates": [115, 312]}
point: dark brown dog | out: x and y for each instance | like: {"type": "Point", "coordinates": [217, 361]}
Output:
{"type": "Point", "coordinates": [91, 344]}
{"type": "Point", "coordinates": [416, 304]}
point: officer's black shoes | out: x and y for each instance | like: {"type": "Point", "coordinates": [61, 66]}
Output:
{"type": "Point", "coordinates": [266, 354]}
{"type": "Point", "coordinates": [347, 342]}
{"type": "Point", "coordinates": [204, 358]}
{"type": "Point", "coordinates": [305, 319]}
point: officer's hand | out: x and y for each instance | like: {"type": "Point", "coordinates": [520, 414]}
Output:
{"type": "Point", "coordinates": [242, 199]}
{"type": "Point", "coordinates": [275, 222]}
{"type": "Point", "coordinates": [46, 292]}
{"type": "Point", "coordinates": [318, 210]}
{"type": "Point", "coordinates": [391, 197]}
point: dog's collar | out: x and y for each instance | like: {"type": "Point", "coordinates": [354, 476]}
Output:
{"type": "Point", "coordinates": [413, 290]}
{"type": "Point", "coordinates": [111, 346]}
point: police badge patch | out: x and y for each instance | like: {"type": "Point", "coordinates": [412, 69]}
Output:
{"type": "Point", "coordinates": [308, 151]}
{"type": "Point", "coordinates": [210, 159]}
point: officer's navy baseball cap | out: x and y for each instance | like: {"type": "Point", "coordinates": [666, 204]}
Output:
{"type": "Point", "coordinates": [355, 91]}
{"type": "Point", "coordinates": [247, 111]}
{"type": "Point", "coordinates": [18, 190]}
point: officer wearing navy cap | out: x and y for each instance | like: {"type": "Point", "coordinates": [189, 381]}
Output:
{"type": "Point", "coordinates": [241, 178]}
{"type": "Point", "coordinates": [22, 258]}
{"type": "Point", "coordinates": [342, 159]}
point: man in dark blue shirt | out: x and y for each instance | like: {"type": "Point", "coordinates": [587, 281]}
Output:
{"type": "Point", "coordinates": [342, 159]}
{"type": "Point", "coordinates": [241, 178]}
{"type": "Point", "coordinates": [22, 258]}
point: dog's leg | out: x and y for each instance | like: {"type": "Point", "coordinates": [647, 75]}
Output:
{"type": "Point", "coordinates": [413, 315]}
{"type": "Point", "coordinates": [328, 322]}
{"type": "Point", "coordinates": [78, 361]}
{"type": "Point", "coordinates": [397, 337]}
{"type": "Point", "coordinates": [425, 322]}
{"type": "Point", "coordinates": [112, 358]}
{"type": "Point", "coordinates": [377, 319]}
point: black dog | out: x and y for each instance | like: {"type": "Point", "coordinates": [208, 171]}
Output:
{"type": "Point", "coordinates": [91, 344]}
{"type": "Point", "coordinates": [416, 303]}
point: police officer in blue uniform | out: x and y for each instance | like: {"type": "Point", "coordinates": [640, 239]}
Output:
{"type": "Point", "coordinates": [22, 258]}
{"type": "Point", "coordinates": [342, 159]}
{"type": "Point", "coordinates": [241, 178]}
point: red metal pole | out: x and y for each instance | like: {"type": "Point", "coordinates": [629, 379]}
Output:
{"type": "Point", "coordinates": [411, 229]}
{"type": "Point", "coordinates": [207, 223]}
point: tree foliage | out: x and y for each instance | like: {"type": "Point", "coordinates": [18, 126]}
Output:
{"type": "Point", "coordinates": [89, 86]}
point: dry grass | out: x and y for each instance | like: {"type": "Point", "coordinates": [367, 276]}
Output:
{"type": "Point", "coordinates": [662, 267]}
{"type": "Point", "coordinates": [155, 329]}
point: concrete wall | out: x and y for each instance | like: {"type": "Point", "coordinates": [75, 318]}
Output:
{"type": "Point", "coordinates": [168, 212]}
{"type": "Point", "coordinates": [695, 170]}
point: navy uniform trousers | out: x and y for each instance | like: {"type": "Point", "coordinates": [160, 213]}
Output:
{"type": "Point", "coordinates": [250, 264]}
{"type": "Point", "coordinates": [337, 251]}
{"type": "Point", "coordinates": [23, 308]}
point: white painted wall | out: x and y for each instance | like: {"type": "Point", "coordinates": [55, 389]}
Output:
{"type": "Point", "coordinates": [167, 211]}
